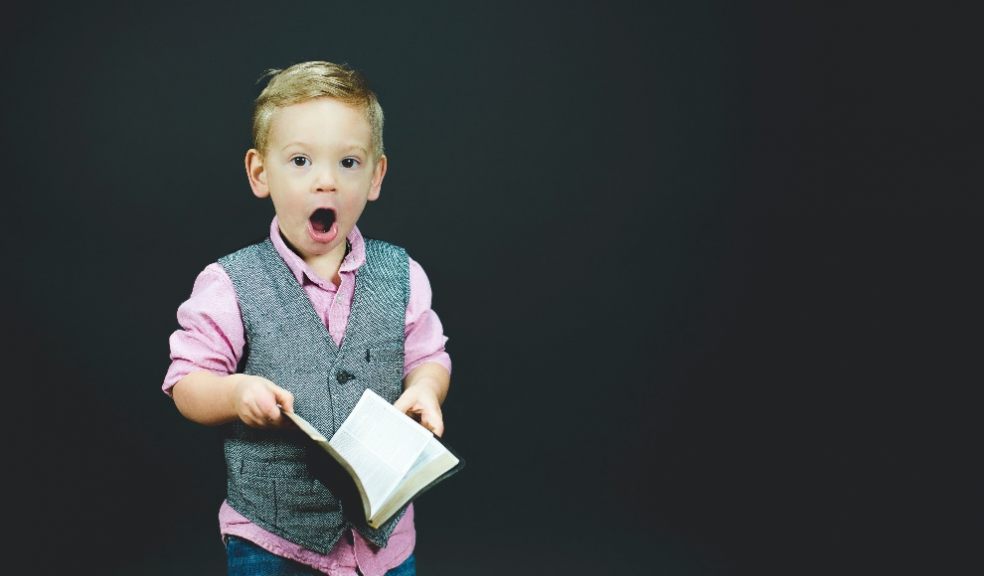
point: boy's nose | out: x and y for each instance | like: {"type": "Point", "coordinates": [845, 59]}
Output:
{"type": "Point", "coordinates": [325, 180]}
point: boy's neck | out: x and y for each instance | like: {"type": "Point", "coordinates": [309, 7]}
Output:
{"type": "Point", "coordinates": [326, 266]}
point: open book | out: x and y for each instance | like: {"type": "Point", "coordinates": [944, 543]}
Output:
{"type": "Point", "coordinates": [392, 458]}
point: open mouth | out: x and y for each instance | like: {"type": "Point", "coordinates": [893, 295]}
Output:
{"type": "Point", "coordinates": [322, 220]}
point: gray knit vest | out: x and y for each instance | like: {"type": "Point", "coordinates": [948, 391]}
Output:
{"type": "Point", "coordinates": [271, 474]}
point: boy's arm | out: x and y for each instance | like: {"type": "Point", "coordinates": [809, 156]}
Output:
{"type": "Point", "coordinates": [213, 399]}
{"type": "Point", "coordinates": [427, 374]}
{"type": "Point", "coordinates": [205, 352]}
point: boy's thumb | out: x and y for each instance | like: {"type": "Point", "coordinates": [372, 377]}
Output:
{"type": "Point", "coordinates": [284, 398]}
{"type": "Point", "coordinates": [433, 422]}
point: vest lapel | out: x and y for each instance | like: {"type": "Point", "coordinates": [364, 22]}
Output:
{"type": "Point", "coordinates": [295, 291]}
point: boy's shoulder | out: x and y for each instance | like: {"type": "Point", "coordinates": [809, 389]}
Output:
{"type": "Point", "coordinates": [378, 246]}
{"type": "Point", "coordinates": [249, 252]}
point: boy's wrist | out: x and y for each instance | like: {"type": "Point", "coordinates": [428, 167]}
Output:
{"type": "Point", "coordinates": [232, 400]}
{"type": "Point", "coordinates": [425, 383]}
{"type": "Point", "coordinates": [431, 377]}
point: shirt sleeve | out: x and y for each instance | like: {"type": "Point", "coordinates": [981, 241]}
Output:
{"type": "Point", "coordinates": [424, 335]}
{"type": "Point", "coordinates": [211, 336]}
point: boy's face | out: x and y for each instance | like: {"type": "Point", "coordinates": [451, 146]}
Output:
{"type": "Point", "coordinates": [318, 168]}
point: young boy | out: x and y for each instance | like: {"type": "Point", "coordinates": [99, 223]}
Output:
{"type": "Point", "coordinates": [306, 320]}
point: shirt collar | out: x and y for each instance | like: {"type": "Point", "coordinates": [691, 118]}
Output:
{"type": "Point", "coordinates": [299, 268]}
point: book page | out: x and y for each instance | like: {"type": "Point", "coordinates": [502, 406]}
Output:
{"type": "Point", "coordinates": [319, 438]}
{"type": "Point", "coordinates": [381, 444]}
{"type": "Point", "coordinates": [434, 461]}
{"type": "Point", "coordinates": [432, 451]}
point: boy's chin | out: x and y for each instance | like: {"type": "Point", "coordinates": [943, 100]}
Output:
{"type": "Point", "coordinates": [317, 249]}
{"type": "Point", "coordinates": [307, 247]}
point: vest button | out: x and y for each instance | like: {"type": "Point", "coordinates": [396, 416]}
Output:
{"type": "Point", "coordinates": [344, 376]}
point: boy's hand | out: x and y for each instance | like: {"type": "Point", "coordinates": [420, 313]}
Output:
{"type": "Point", "coordinates": [255, 400]}
{"type": "Point", "coordinates": [421, 403]}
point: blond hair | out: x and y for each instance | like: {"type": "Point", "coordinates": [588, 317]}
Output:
{"type": "Point", "coordinates": [310, 80]}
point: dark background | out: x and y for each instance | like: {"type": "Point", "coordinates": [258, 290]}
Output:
{"type": "Point", "coordinates": [705, 268]}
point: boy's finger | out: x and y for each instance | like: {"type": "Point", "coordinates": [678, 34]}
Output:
{"type": "Point", "coordinates": [266, 407]}
{"type": "Point", "coordinates": [266, 412]}
{"type": "Point", "coordinates": [256, 419]}
{"type": "Point", "coordinates": [403, 403]}
{"type": "Point", "coordinates": [433, 421]}
{"type": "Point", "coordinates": [282, 398]}
{"type": "Point", "coordinates": [286, 400]}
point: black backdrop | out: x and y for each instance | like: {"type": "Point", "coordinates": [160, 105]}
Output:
{"type": "Point", "coordinates": [702, 267]}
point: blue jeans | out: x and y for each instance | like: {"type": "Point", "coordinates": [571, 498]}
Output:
{"type": "Point", "coordinates": [243, 558]}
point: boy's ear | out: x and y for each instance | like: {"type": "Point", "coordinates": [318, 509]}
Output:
{"type": "Point", "coordinates": [256, 173]}
{"type": "Point", "coordinates": [378, 173]}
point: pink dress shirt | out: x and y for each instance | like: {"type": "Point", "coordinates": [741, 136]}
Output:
{"type": "Point", "coordinates": [212, 338]}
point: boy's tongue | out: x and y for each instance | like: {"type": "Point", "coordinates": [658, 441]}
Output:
{"type": "Point", "coordinates": [322, 226]}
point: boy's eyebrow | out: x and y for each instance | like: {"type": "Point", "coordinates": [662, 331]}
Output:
{"type": "Point", "coordinates": [354, 146]}
{"type": "Point", "coordinates": [357, 147]}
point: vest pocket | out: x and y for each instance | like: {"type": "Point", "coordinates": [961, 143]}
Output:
{"type": "Point", "coordinates": [386, 353]}
{"type": "Point", "coordinates": [259, 494]}
{"type": "Point", "coordinates": [302, 504]}
{"type": "Point", "coordinates": [286, 495]}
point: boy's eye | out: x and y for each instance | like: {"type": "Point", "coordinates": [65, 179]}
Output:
{"type": "Point", "coordinates": [350, 162]}
{"type": "Point", "coordinates": [300, 161]}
